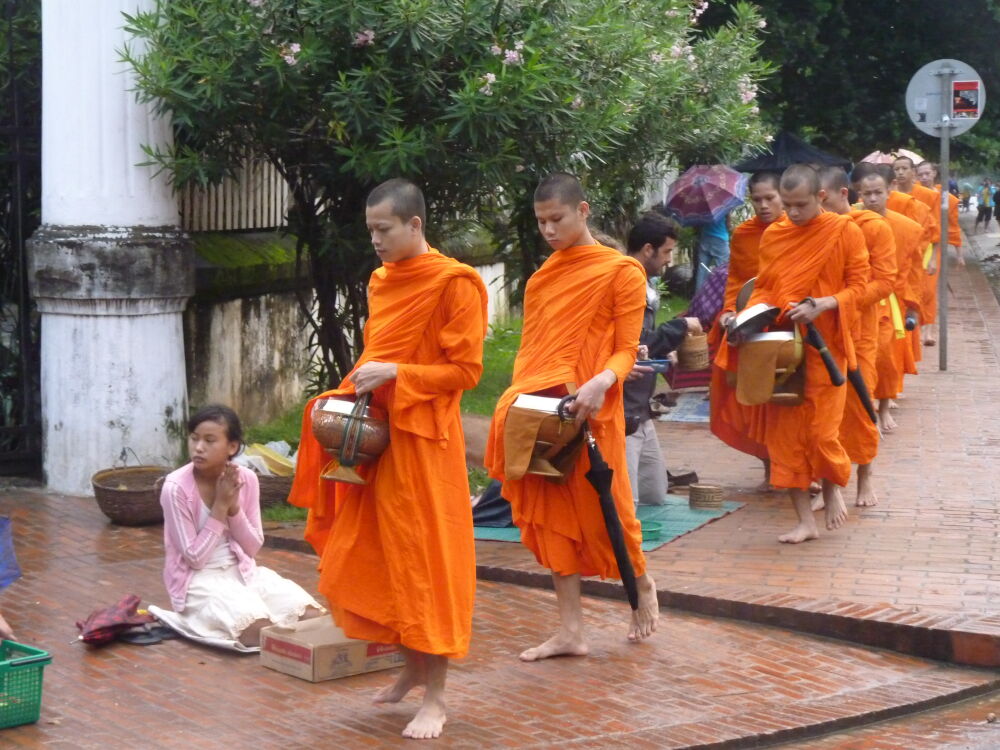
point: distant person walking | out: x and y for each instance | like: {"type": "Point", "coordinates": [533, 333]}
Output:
{"type": "Point", "coordinates": [985, 197]}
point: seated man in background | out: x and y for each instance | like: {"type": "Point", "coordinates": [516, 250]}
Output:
{"type": "Point", "coordinates": [651, 242]}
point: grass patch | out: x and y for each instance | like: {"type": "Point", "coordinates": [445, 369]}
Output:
{"type": "Point", "coordinates": [498, 365]}
{"type": "Point", "coordinates": [287, 427]}
{"type": "Point", "coordinates": [284, 513]}
{"type": "Point", "coordinates": [478, 479]}
{"type": "Point", "coordinates": [671, 305]}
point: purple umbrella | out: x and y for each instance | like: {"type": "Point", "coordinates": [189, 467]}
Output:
{"type": "Point", "coordinates": [705, 193]}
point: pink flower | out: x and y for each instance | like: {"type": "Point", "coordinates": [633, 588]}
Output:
{"type": "Point", "coordinates": [656, 57]}
{"type": "Point", "coordinates": [519, 45]}
{"type": "Point", "coordinates": [255, 3]}
{"type": "Point", "coordinates": [364, 38]}
{"type": "Point", "coordinates": [512, 57]}
{"type": "Point", "coordinates": [290, 53]}
{"type": "Point", "coordinates": [496, 49]}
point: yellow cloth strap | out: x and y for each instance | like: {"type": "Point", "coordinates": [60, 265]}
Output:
{"type": "Point", "coordinates": [897, 315]}
{"type": "Point", "coordinates": [928, 254]}
{"type": "Point", "coordinates": [790, 370]}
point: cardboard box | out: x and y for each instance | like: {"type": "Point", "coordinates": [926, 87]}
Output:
{"type": "Point", "coordinates": [317, 650]}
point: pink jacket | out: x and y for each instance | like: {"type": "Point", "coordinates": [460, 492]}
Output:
{"type": "Point", "coordinates": [187, 549]}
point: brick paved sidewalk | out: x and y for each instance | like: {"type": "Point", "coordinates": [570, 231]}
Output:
{"type": "Point", "coordinates": [918, 573]}
{"type": "Point", "coordinates": [700, 681]}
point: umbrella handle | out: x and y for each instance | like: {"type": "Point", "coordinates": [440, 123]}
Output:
{"type": "Point", "coordinates": [561, 408]}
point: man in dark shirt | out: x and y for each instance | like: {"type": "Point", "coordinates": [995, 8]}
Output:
{"type": "Point", "coordinates": [651, 242]}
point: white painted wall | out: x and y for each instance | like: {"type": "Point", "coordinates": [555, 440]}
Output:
{"type": "Point", "coordinates": [493, 277]}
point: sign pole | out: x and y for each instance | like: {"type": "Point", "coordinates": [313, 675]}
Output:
{"type": "Point", "coordinates": [947, 74]}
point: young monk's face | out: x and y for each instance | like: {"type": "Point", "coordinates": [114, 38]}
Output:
{"type": "Point", "coordinates": [394, 239]}
{"type": "Point", "coordinates": [561, 224]}
{"type": "Point", "coordinates": [904, 171]}
{"type": "Point", "coordinates": [766, 201]}
{"type": "Point", "coordinates": [925, 173]}
{"type": "Point", "coordinates": [874, 193]}
{"type": "Point", "coordinates": [209, 446]}
{"type": "Point", "coordinates": [801, 204]}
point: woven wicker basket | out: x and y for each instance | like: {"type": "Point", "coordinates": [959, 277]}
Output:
{"type": "Point", "coordinates": [274, 490]}
{"type": "Point", "coordinates": [692, 354]}
{"type": "Point", "coordinates": [705, 496]}
{"type": "Point", "coordinates": [130, 496]}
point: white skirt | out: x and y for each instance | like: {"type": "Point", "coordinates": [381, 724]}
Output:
{"type": "Point", "coordinates": [219, 606]}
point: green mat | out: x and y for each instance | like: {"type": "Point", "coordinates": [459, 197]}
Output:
{"type": "Point", "coordinates": [675, 515]}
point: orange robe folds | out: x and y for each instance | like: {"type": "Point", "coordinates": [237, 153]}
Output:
{"type": "Point", "coordinates": [397, 554]}
{"type": "Point", "coordinates": [731, 421]}
{"type": "Point", "coordinates": [931, 199]}
{"type": "Point", "coordinates": [893, 348]}
{"type": "Point", "coordinates": [858, 434]}
{"type": "Point", "coordinates": [912, 208]}
{"type": "Point", "coordinates": [583, 313]}
{"type": "Point", "coordinates": [826, 257]}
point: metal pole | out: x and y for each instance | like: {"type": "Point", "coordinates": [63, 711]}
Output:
{"type": "Point", "coordinates": [947, 76]}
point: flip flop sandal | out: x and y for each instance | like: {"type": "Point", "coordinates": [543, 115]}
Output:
{"type": "Point", "coordinates": [165, 633]}
{"type": "Point", "coordinates": [140, 638]}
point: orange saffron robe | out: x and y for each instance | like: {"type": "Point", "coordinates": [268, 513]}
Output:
{"type": "Point", "coordinates": [397, 554]}
{"type": "Point", "coordinates": [892, 350]}
{"type": "Point", "coordinates": [858, 434]}
{"type": "Point", "coordinates": [731, 421]}
{"type": "Point", "coordinates": [825, 257]}
{"type": "Point", "coordinates": [909, 206]}
{"type": "Point", "coordinates": [583, 312]}
{"type": "Point", "coordinates": [931, 199]}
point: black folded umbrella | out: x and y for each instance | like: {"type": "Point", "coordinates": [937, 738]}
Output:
{"type": "Point", "coordinates": [599, 476]}
{"type": "Point", "coordinates": [864, 395]}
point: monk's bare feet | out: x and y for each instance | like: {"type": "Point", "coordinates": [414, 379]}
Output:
{"type": "Point", "coordinates": [836, 509]}
{"type": "Point", "coordinates": [561, 644]}
{"type": "Point", "coordinates": [764, 486]}
{"type": "Point", "coordinates": [866, 490]}
{"type": "Point", "coordinates": [818, 503]}
{"type": "Point", "coordinates": [885, 422]}
{"type": "Point", "coordinates": [645, 618]}
{"type": "Point", "coordinates": [801, 533]}
{"type": "Point", "coordinates": [428, 722]}
{"type": "Point", "coordinates": [412, 676]}
{"type": "Point", "coordinates": [814, 488]}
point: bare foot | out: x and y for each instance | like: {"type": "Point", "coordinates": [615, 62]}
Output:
{"type": "Point", "coordinates": [558, 645]}
{"type": "Point", "coordinates": [887, 423]}
{"type": "Point", "coordinates": [764, 486]}
{"type": "Point", "coordinates": [428, 722]}
{"type": "Point", "coordinates": [866, 497]}
{"type": "Point", "coordinates": [409, 678]}
{"type": "Point", "coordinates": [818, 503]}
{"type": "Point", "coordinates": [814, 488]}
{"type": "Point", "coordinates": [836, 509]}
{"type": "Point", "coordinates": [645, 618]}
{"type": "Point", "coordinates": [801, 533]}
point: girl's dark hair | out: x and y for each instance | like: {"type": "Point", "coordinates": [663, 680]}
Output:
{"type": "Point", "coordinates": [220, 415]}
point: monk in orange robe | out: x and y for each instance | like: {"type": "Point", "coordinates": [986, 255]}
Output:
{"type": "Point", "coordinates": [814, 267]}
{"type": "Point", "coordinates": [892, 343]}
{"type": "Point", "coordinates": [731, 421]}
{"type": "Point", "coordinates": [583, 312]}
{"type": "Point", "coordinates": [906, 182]}
{"type": "Point", "coordinates": [927, 175]}
{"type": "Point", "coordinates": [912, 208]}
{"type": "Point", "coordinates": [397, 554]}
{"type": "Point", "coordinates": [858, 433]}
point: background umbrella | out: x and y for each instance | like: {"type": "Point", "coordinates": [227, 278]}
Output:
{"type": "Point", "coordinates": [881, 157]}
{"type": "Point", "coordinates": [103, 625]}
{"type": "Point", "coordinates": [788, 149]}
{"type": "Point", "coordinates": [705, 193]}
{"type": "Point", "coordinates": [599, 476]}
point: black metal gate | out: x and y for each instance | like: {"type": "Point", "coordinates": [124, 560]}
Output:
{"type": "Point", "coordinates": [20, 208]}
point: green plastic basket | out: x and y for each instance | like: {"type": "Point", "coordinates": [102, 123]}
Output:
{"type": "Point", "coordinates": [21, 683]}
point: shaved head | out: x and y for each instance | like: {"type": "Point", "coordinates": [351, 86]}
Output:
{"type": "Point", "coordinates": [907, 159]}
{"type": "Point", "coordinates": [405, 199]}
{"type": "Point", "coordinates": [833, 179]}
{"type": "Point", "coordinates": [800, 174]}
{"type": "Point", "coordinates": [562, 187]}
{"type": "Point", "coordinates": [862, 169]}
{"type": "Point", "coordinates": [765, 178]}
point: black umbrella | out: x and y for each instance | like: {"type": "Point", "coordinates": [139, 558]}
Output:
{"type": "Point", "coordinates": [788, 149]}
{"type": "Point", "coordinates": [861, 388]}
{"type": "Point", "coordinates": [599, 476]}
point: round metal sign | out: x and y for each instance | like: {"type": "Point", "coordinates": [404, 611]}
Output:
{"type": "Point", "coordinates": [945, 92]}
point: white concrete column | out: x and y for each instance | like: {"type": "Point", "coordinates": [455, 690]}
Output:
{"type": "Point", "coordinates": [110, 270]}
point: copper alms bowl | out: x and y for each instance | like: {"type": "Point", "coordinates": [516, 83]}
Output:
{"type": "Point", "coordinates": [329, 423]}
